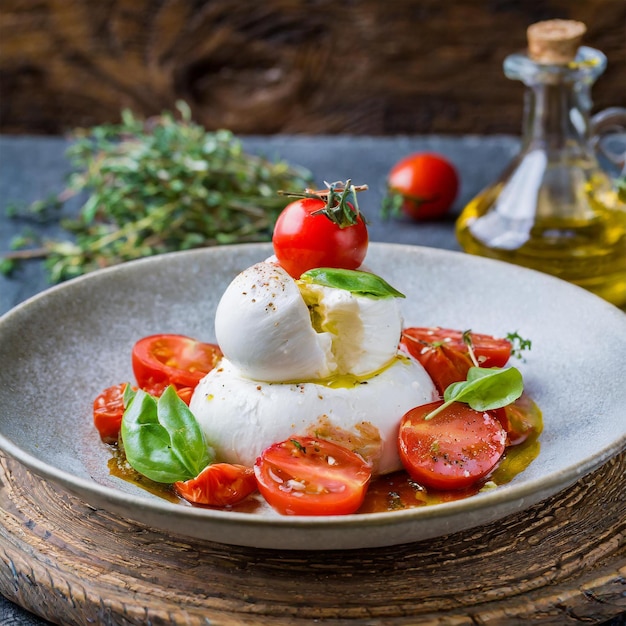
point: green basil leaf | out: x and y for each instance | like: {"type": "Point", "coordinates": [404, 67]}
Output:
{"type": "Point", "coordinates": [487, 388]}
{"type": "Point", "coordinates": [162, 440]}
{"type": "Point", "coordinates": [129, 395]}
{"type": "Point", "coordinates": [484, 389]}
{"type": "Point", "coordinates": [356, 282]}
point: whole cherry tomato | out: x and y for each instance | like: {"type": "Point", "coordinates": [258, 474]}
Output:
{"type": "Point", "coordinates": [422, 185]}
{"type": "Point", "coordinates": [321, 231]}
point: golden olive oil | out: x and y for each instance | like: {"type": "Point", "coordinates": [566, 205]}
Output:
{"type": "Point", "coordinates": [585, 247]}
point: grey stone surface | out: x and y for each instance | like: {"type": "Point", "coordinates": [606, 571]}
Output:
{"type": "Point", "coordinates": [32, 168]}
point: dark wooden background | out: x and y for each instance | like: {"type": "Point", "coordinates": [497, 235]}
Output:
{"type": "Point", "coordinates": [285, 66]}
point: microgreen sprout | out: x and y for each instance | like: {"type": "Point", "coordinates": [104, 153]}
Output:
{"type": "Point", "coordinates": [484, 389]}
{"type": "Point", "coordinates": [467, 340]}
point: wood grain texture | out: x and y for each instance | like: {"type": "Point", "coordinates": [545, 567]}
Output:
{"type": "Point", "coordinates": [561, 562]}
{"type": "Point", "coordinates": [285, 66]}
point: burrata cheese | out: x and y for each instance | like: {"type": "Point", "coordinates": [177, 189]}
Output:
{"type": "Point", "coordinates": [302, 358]}
{"type": "Point", "coordinates": [241, 417]}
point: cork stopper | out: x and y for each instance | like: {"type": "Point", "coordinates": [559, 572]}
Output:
{"type": "Point", "coordinates": [554, 41]}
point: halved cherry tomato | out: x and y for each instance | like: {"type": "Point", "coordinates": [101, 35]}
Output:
{"type": "Point", "coordinates": [445, 355]}
{"type": "Point", "coordinates": [309, 476]}
{"type": "Point", "coordinates": [521, 419]}
{"type": "Point", "coordinates": [444, 365]}
{"type": "Point", "coordinates": [108, 409]}
{"type": "Point", "coordinates": [220, 484]}
{"type": "Point", "coordinates": [172, 360]}
{"type": "Point", "coordinates": [452, 450]}
{"type": "Point", "coordinates": [156, 389]}
{"type": "Point", "coordinates": [490, 351]}
{"type": "Point", "coordinates": [303, 241]}
{"type": "Point", "coordinates": [427, 183]}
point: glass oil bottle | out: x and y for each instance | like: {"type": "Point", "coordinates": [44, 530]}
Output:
{"type": "Point", "coordinates": [555, 209]}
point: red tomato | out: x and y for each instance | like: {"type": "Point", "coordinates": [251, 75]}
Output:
{"type": "Point", "coordinates": [157, 389]}
{"type": "Point", "coordinates": [220, 484]}
{"type": "Point", "coordinates": [444, 365]}
{"type": "Point", "coordinates": [427, 183]}
{"type": "Point", "coordinates": [185, 393]}
{"type": "Point", "coordinates": [520, 420]}
{"type": "Point", "coordinates": [172, 360]}
{"type": "Point", "coordinates": [303, 241]}
{"type": "Point", "coordinates": [445, 355]}
{"type": "Point", "coordinates": [108, 409]}
{"type": "Point", "coordinates": [308, 476]}
{"type": "Point", "coordinates": [489, 351]}
{"type": "Point", "coordinates": [452, 450]}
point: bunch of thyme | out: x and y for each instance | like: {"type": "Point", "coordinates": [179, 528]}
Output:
{"type": "Point", "coordinates": [156, 186]}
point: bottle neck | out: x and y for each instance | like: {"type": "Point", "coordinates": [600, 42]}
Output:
{"type": "Point", "coordinates": [558, 100]}
{"type": "Point", "coordinates": [556, 117]}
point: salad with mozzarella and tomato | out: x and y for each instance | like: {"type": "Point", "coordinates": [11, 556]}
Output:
{"type": "Point", "coordinates": [315, 395]}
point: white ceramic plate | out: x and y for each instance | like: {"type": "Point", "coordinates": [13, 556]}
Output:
{"type": "Point", "coordinates": [61, 348]}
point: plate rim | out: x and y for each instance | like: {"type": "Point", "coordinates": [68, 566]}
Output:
{"type": "Point", "coordinates": [507, 497]}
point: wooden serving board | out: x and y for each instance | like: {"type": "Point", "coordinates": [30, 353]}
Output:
{"type": "Point", "coordinates": [561, 562]}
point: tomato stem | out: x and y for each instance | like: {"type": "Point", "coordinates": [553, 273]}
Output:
{"type": "Point", "coordinates": [323, 193]}
{"type": "Point", "coordinates": [341, 206]}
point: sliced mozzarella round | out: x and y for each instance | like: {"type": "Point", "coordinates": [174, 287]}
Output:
{"type": "Point", "coordinates": [263, 326]}
{"type": "Point", "coordinates": [241, 417]}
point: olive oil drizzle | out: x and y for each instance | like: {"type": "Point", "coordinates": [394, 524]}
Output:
{"type": "Point", "coordinates": [349, 381]}
{"type": "Point", "coordinates": [392, 492]}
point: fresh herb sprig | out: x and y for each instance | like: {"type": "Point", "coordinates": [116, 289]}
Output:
{"type": "Point", "coordinates": [154, 186]}
{"type": "Point", "coordinates": [518, 344]}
